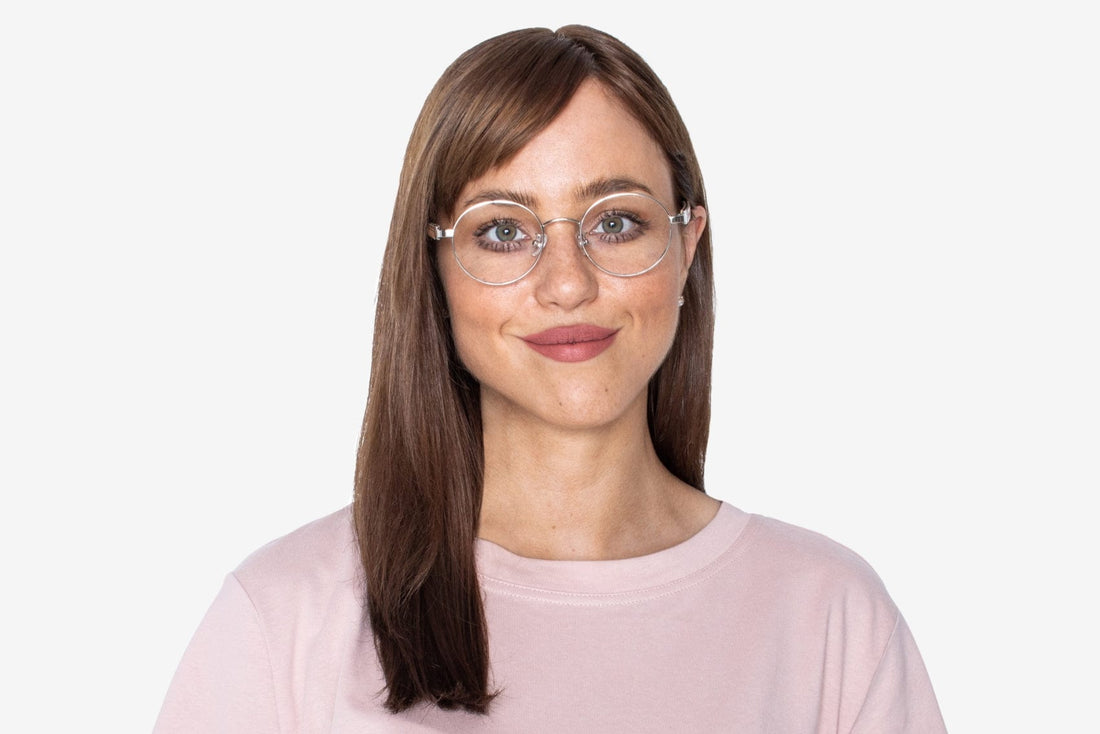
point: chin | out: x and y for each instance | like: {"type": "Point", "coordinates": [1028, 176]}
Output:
{"type": "Point", "coordinates": [580, 413]}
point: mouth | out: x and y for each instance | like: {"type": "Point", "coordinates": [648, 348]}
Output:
{"type": "Point", "coordinates": [577, 343]}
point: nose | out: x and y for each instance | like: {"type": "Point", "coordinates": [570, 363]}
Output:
{"type": "Point", "coordinates": [565, 278]}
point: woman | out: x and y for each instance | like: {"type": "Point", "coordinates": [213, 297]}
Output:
{"type": "Point", "coordinates": [529, 547]}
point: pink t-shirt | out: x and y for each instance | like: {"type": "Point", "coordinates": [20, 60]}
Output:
{"type": "Point", "coordinates": [751, 625]}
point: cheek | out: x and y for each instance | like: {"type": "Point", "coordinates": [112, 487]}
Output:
{"type": "Point", "coordinates": [662, 328]}
{"type": "Point", "coordinates": [476, 319]}
{"type": "Point", "coordinates": [469, 342]}
{"type": "Point", "coordinates": [657, 297]}
{"type": "Point", "coordinates": [663, 312]}
{"type": "Point", "coordinates": [654, 316]}
{"type": "Point", "coordinates": [457, 301]}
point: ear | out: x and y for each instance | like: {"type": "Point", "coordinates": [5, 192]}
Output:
{"type": "Point", "coordinates": [690, 234]}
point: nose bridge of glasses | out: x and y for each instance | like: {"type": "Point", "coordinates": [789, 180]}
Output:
{"type": "Point", "coordinates": [579, 238]}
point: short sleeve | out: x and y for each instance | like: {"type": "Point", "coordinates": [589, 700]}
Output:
{"type": "Point", "coordinates": [224, 682]}
{"type": "Point", "coordinates": [900, 699]}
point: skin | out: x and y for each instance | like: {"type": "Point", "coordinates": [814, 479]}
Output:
{"type": "Point", "coordinates": [570, 471]}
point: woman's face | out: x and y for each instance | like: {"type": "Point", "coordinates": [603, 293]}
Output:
{"type": "Point", "coordinates": [616, 330]}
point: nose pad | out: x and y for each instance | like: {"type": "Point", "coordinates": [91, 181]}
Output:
{"type": "Point", "coordinates": [578, 258]}
{"type": "Point", "coordinates": [537, 244]}
{"type": "Point", "coordinates": [566, 279]}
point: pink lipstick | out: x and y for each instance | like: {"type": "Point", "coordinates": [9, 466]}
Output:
{"type": "Point", "coordinates": [577, 343]}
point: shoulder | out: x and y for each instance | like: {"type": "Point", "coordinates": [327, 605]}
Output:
{"type": "Point", "coordinates": [811, 569]}
{"type": "Point", "coordinates": [787, 543]}
{"type": "Point", "coordinates": [317, 557]}
{"type": "Point", "coordinates": [290, 606]}
{"type": "Point", "coordinates": [819, 610]}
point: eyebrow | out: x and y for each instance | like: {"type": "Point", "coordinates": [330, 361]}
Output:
{"type": "Point", "coordinates": [587, 192]}
{"type": "Point", "coordinates": [605, 186]}
{"type": "Point", "coordinates": [519, 197]}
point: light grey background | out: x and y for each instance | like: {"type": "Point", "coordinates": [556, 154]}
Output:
{"type": "Point", "coordinates": [193, 203]}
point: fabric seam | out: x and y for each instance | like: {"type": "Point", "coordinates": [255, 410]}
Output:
{"type": "Point", "coordinates": [878, 668]}
{"type": "Point", "coordinates": [736, 549]}
{"type": "Point", "coordinates": [267, 649]}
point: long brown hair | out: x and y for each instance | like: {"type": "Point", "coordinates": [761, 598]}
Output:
{"type": "Point", "coordinates": [418, 478]}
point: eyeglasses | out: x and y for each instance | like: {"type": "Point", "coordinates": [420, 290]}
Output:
{"type": "Point", "coordinates": [498, 242]}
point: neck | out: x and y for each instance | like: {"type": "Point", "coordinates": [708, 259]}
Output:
{"type": "Point", "coordinates": [582, 494]}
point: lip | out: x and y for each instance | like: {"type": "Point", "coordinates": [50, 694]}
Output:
{"type": "Point", "coordinates": [576, 343]}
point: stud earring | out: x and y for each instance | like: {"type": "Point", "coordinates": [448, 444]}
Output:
{"type": "Point", "coordinates": [680, 302]}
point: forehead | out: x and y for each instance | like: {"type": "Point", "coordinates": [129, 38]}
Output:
{"type": "Point", "coordinates": [595, 145]}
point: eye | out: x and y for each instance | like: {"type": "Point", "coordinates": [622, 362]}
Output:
{"type": "Point", "coordinates": [617, 226]}
{"type": "Point", "coordinates": [500, 235]}
{"type": "Point", "coordinates": [614, 225]}
{"type": "Point", "coordinates": [504, 232]}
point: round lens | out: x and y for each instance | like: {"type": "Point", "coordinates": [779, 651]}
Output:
{"type": "Point", "coordinates": [626, 234]}
{"type": "Point", "coordinates": [497, 242]}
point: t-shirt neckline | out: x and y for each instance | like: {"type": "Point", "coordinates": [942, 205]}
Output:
{"type": "Point", "coordinates": [503, 570]}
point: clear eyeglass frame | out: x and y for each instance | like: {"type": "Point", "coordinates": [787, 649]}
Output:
{"type": "Point", "coordinates": [437, 233]}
